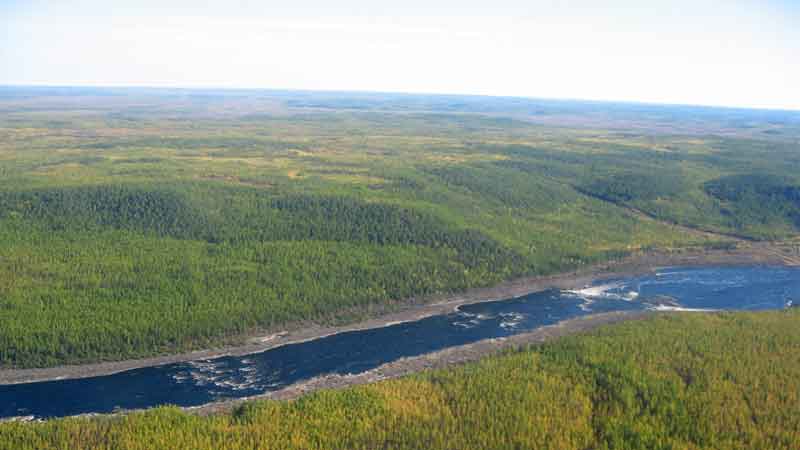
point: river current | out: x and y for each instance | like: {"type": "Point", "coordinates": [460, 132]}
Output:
{"type": "Point", "coordinates": [200, 382]}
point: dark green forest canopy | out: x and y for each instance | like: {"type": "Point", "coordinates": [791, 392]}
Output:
{"type": "Point", "coordinates": [722, 381]}
{"type": "Point", "coordinates": [137, 222]}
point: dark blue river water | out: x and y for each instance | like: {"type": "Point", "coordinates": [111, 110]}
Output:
{"type": "Point", "coordinates": [201, 382]}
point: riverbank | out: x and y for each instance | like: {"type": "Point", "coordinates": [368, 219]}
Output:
{"type": "Point", "coordinates": [680, 379]}
{"type": "Point", "coordinates": [437, 360]}
{"type": "Point", "coordinates": [415, 309]}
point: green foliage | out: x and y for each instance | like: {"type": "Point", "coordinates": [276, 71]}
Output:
{"type": "Point", "coordinates": [634, 187]}
{"type": "Point", "coordinates": [117, 206]}
{"type": "Point", "coordinates": [506, 187]}
{"type": "Point", "coordinates": [757, 199]}
{"type": "Point", "coordinates": [142, 222]}
{"type": "Point", "coordinates": [116, 271]}
{"type": "Point", "coordinates": [116, 294]}
{"type": "Point", "coordinates": [342, 219]}
{"type": "Point", "coordinates": [243, 215]}
{"type": "Point", "coordinates": [722, 381]}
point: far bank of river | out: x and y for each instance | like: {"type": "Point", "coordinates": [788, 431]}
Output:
{"type": "Point", "coordinates": [463, 330]}
{"type": "Point", "coordinates": [416, 309]}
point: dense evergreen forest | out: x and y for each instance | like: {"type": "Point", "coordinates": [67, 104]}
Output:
{"type": "Point", "coordinates": [694, 381]}
{"type": "Point", "coordinates": [141, 222]}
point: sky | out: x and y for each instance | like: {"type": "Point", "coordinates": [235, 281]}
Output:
{"type": "Point", "coordinates": [710, 52]}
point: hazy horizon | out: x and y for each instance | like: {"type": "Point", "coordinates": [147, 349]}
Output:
{"type": "Point", "coordinates": [384, 92]}
{"type": "Point", "coordinates": [739, 54]}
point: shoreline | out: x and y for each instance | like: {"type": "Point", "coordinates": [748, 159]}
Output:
{"type": "Point", "coordinates": [413, 309]}
{"type": "Point", "coordinates": [448, 357]}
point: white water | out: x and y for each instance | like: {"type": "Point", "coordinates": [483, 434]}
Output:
{"type": "Point", "coordinates": [604, 291]}
{"type": "Point", "coordinates": [678, 308]}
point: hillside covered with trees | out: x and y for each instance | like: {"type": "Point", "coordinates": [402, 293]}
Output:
{"type": "Point", "coordinates": [141, 222]}
{"type": "Point", "coordinates": [722, 381]}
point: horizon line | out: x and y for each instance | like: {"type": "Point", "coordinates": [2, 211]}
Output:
{"type": "Point", "coordinates": [401, 92]}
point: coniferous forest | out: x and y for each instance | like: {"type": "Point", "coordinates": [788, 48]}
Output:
{"type": "Point", "coordinates": [145, 222]}
{"type": "Point", "coordinates": [142, 222]}
{"type": "Point", "coordinates": [725, 381]}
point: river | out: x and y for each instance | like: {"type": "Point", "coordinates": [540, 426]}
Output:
{"type": "Point", "coordinates": [201, 382]}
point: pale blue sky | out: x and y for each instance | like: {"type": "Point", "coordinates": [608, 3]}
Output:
{"type": "Point", "coordinates": [732, 52]}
